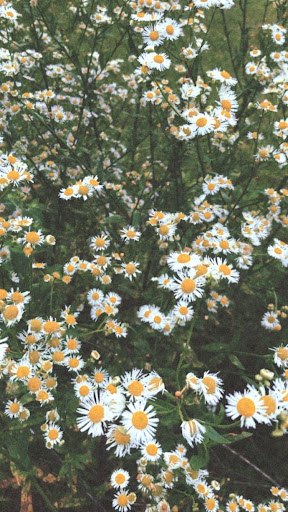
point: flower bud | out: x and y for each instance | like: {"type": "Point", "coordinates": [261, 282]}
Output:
{"type": "Point", "coordinates": [95, 355]}
{"type": "Point", "coordinates": [277, 433]}
{"type": "Point", "coordinates": [266, 374]}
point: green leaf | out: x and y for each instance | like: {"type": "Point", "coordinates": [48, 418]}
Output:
{"type": "Point", "coordinates": [17, 445]}
{"type": "Point", "coordinates": [212, 434]}
{"type": "Point", "coordinates": [234, 360]}
{"type": "Point", "coordinates": [233, 438]}
{"type": "Point", "coordinates": [201, 459]}
{"type": "Point", "coordinates": [114, 219]}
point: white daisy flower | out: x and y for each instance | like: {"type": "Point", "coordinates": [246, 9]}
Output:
{"type": "Point", "coordinates": [187, 286]}
{"type": "Point", "coordinates": [151, 450]}
{"type": "Point", "coordinates": [193, 431]}
{"type": "Point", "coordinates": [129, 233]}
{"type": "Point", "coordinates": [118, 438]}
{"type": "Point", "coordinates": [183, 259]}
{"type": "Point", "coordinates": [119, 479]}
{"type": "Point", "coordinates": [223, 270]}
{"type": "Point", "coordinates": [53, 435]}
{"type": "Point", "coordinates": [281, 356]}
{"type": "Point", "coordinates": [140, 422]}
{"type": "Point", "coordinates": [210, 386]}
{"type": "Point", "coordinates": [13, 408]}
{"type": "Point", "coordinates": [130, 269]}
{"type": "Point", "coordinates": [158, 61]}
{"type": "Point", "coordinates": [121, 501]}
{"type": "Point", "coordinates": [95, 415]}
{"type": "Point", "coordinates": [247, 405]}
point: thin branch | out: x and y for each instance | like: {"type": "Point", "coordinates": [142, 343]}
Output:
{"type": "Point", "coordinates": [252, 465]}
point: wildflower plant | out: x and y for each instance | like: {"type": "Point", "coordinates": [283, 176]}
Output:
{"type": "Point", "coordinates": [143, 254]}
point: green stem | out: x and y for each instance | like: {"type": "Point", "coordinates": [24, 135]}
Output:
{"type": "Point", "coordinates": [42, 493]}
{"type": "Point", "coordinates": [51, 298]}
{"type": "Point", "coordinates": [187, 346]}
{"type": "Point", "coordinates": [179, 411]}
{"type": "Point", "coordinates": [276, 300]}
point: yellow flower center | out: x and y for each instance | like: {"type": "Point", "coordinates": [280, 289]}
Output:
{"type": "Point", "coordinates": [170, 30]}
{"type": "Point", "coordinates": [99, 242]}
{"type": "Point", "coordinates": [23, 372]}
{"type": "Point", "coordinates": [188, 285]}
{"type": "Point", "coordinates": [14, 408]}
{"type": "Point", "coordinates": [34, 384]}
{"type": "Point", "coordinates": [84, 390]}
{"type": "Point", "coordinates": [158, 59]}
{"type": "Point", "coordinates": [3, 294]}
{"type": "Point", "coordinates": [34, 356]}
{"type": "Point", "coordinates": [130, 268]}
{"type": "Point", "coordinates": [121, 437]}
{"type": "Point", "coordinates": [225, 74]}
{"type": "Point", "coordinates": [152, 449]}
{"type": "Point", "coordinates": [226, 104]}
{"type": "Point", "coordinates": [17, 297]}
{"type": "Point", "coordinates": [224, 269]}
{"type": "Point", "coordinates": [164, 230]}
{"type": "Point", "coordinates": [101, 261]}
{"type": "Point", "coordinates": [131, 233]}
{"type": "Point", "coordinates": [168, 477]}
{"type": "Point", "coordinates": [201, 270]}
{"type": "Point", "coordinates": [139, 420]}
{"type": "Point", "coordinates": [47, 366]}
{"type": "Point", "coordinates": [282, 353]}
{"type": "Point", "coordinates": [246, 407]}
{"type": "Point", "coordinates": [111, 388]}
{"type": "Point", "coordinates": [10, 312]}
{"type": "Point", "coordinates": [11, 159]}
{"type": "Point", "coordinates": [70, 319]}
{"type": "Point", "coordinates": [96, 413]}
{"type": "Point", "coordinates": [183, 258]}
{"type": "Point", "coordinates": [135, 388]}
{"type": "Point", "coordinates": [53, 434]}
{"type": "Point", "coordinates": [32, 237]}
{"type": "Point", "coordinates": [122, 500]}
{"type": "Point", "coordinates": [58, 356]}
{"type": "Point", "coordinates": [13, 175]}
{"type": "Point", "coordinates": [72, 344]}
{"type": "Point", "coordinates": [69, 191]}
{"type": "Point", "coordinates": [98, 377]}
{"type": "Point", "coordinates": [277, 250]}
{"type": "Point", "coordinates": [210, 504]}
{"type": "Point", "coordinates": [50, 382]}
{"type": "Point", "coordinates": [210, 384]}
{"type": "Point", "coordinates": [224, 244]}
{"type": "Point", "coordinates": [154, 35]}
{"type": "Point", "coordinates": [271, 319]}
{"type": "Point", "coordinates": [83, 190]}
{"type": "Point", "coordinates": [120, 478]}
{"type": "Point", "coordinates": [202, 121]}
{"type": "Point", "coordinates": [74, 362]}
{"type": "Point", "coordinates": [42, 396]}
{"type": "Point", "coordinates": [183, 310]}
{"type": "Point", "coordinates": [51, 326]}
